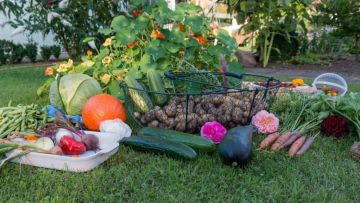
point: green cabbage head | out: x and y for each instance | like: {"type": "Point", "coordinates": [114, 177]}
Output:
{"type": "Point", "coordinates": [72, 92]}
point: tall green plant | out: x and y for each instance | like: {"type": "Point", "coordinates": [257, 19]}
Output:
{"type": "Point", "coordinates": [269, 18]}
{"type": "Point", "coordinates": [69, 23]}
{"type": "Point", "coordinates": [344, 16]}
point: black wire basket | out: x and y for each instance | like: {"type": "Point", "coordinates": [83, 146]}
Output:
{"type": "Point", "coordinates": [194, 98]}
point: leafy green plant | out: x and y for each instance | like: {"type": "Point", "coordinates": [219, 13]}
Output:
{"type": "Point", "coordinates": [308, 58]}
{"type": "Point", "coordinates": [155, 38]}
{"type": "Point", "coordinates": [2, 56]}
{"type": "Point", "coordinates": [31, 51]}
{"type": "Point", "coordinates": [11, 53]}
{"type": "Point", "coordinates": [269, 18]}
{"type": "Point", "coordinates": [347, 18]}
{"type": "Point", "coordinates": [16, 53]}
{"type": "Point", "coordinates": [56, 51]}
{"type": "Point", "coordinates": [67, 26]}
{"type": "Point", "coordinates": [45, 52]}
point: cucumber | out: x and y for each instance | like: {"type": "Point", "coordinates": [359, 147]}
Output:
{"type": "Point", "coordinates": [156, 84]}
{"type": "Point", "coordinates": [198, 143]}
{"type": "Point", "coordinates": [140, 98]}
{"type": "Point", "coordinates": [159, 145]}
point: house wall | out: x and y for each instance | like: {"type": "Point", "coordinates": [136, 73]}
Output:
{"type": "Point", "coordinates": [22, 38]}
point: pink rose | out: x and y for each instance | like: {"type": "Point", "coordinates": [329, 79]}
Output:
{"type": "Point", "coordinates": [265, 122]}
{"type": "Point", "coordinates": [213, 131]}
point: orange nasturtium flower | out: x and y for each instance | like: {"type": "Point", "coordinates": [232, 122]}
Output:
{"type": "Point", "coordinates": [181, 27]}
{"type": "Point", "coordinates": [89, 53]}
{"type": "Point", "coordinates": [298, 82]}
{"type": "Point", "coordinates": [201, 40]}
{"type": "Point", "coordinates": [157, 35]}
{"type": "Point", "coordinates": [137, 12]}
{"type": "Point", "coordinates": [132, 45]}
{"type": "Point", "coordinates": [49, 71]}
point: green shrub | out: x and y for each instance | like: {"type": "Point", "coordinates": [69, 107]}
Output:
{"type": "Point", "coordinates": [56, 51]}
{"type": "Point", "coordinates": [31, 51]}
{"type": "Point", "coordinates": [45, 52]}
{"type": "Point", "coordinates": [308, 58]}
{"type": "Point", "coordinates": [10, 52]}
{"type": "Point", "coordinates": [16, 54]}
{"type": "Point", "coordinates": [2, 57]}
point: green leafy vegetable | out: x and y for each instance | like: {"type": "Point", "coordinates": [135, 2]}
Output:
{"type": "Point", "coordinates": [73, 91]}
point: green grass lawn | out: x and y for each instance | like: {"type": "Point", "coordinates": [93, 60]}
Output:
{"type": "Point", "coordinates": [326, 173]}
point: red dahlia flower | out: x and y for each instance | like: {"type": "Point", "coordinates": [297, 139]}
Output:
{"type": "Point", "coordinates": [336, 126]}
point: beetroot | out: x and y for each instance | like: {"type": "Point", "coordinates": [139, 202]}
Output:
{"type": "Point", "coordinates": [90, 141]}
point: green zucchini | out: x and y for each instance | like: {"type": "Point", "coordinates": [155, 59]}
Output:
{"type": "Point", "coordinates": [140, 98]}
{"type": "Point", "coordinates": [159, 145]}
{"type": "Point", "coordinates": [198, 143]}
{"type": "Point", "coordinates": [156, 84]}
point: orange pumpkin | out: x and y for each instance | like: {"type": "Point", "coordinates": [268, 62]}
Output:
{"type": "Point", "coordinates": [100, 108]}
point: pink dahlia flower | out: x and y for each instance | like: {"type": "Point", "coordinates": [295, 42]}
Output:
{"type": "Point", "coordinates": [213, 131]}
{"type": "Point", "coordinates": [265, 122]}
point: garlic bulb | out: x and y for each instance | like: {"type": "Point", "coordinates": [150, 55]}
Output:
{"type": "Point", "coordinates": [115, 126]}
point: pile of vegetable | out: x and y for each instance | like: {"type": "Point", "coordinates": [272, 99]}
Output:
{"type": "Point", "coordinates": [315, 114]}
{"type": "Point", "coordinates": [234, 149]}
{"type": "Point", "coordinates": [21, 118]}
{"type": "Point", "coordinates": [229, 109]}
{"type": "Point", "coordinates": [297, 143]}
{"type": "Point", "coordinates": [169, 142]}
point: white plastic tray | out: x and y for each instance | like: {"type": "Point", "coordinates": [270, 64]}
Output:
{"type": "Point", "coordinates": [108, 145]}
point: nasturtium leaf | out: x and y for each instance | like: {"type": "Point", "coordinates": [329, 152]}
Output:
{"type": "Point", "coordinates": [172, 47]}
{"type": "Point", "coordinates": [195, 22]}
{"type": "Point", "coordinates": [105, 31]}
{"type": "Point", "coordinates": [42, 89]}
{"type": "Point", "coordinates": [177, 37]}
{"type": "Point", "coordinates": [134, 72]}
{"type": "Point", "coordinates": [125, 37]}
{"type": "Point", "coordinates": [236, 67]}
{"type": "Point", "coordinates": [115, 90]}
{"type": "Point", "coordinates": [116, 63]}
{"type": "Point", "coordinates": [186, 8]}
{"type": "Point", "coordinates": [103, 52]}
{"type": "Point", "coordinates": [146, 63]}
{"type": "Point", "coordinates": [140, 23]}
{"type": "Point", "coordinates": [224, 37]}
{"type": "Point", "coordinates": [120, 23]}
{"type": "Point", "coordinates": [191, 43]}
{"type": "Point", "coordinates": [164, 64]}
{"type": "Point", "coordinates": [80, 68]}
{"type": "Point", "coordinates": [215, 51]}
{"type": "Point", "coordinates": [137, 2]}
{"type": "Point", "coordinates": [88, 39]}
{"type": "Point", "coordinates": [307, 2]}
{"type": "Point", "coordinates": [155, 50]}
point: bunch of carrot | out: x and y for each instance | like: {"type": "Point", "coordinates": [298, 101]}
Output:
{"type": "Point", "coordinates": [298, 143]}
